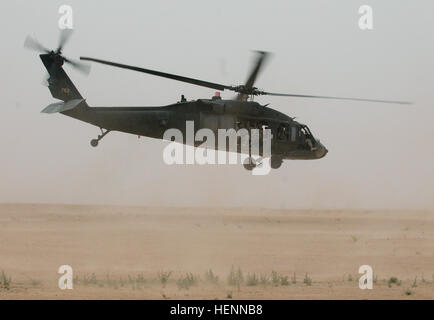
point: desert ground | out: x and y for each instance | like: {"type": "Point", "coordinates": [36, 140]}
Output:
{"type": "Point", "coordinates": [208, 253]}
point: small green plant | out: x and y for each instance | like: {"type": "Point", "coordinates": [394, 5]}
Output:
{"type": "Point", "coordinates": [111, 282]}
{"type": "Point", "coordinates": [307, 280]}
{"type": "Point", "coordinates": [294, 278]}
{"type": "Point", "coordinates": [284, 281]}
{"type": "Point", "coordinates": [408, 292]}
{"type": "Point", "coordinates": [89, 279]}
{"type": "Point", "coordinates": [164, 276]}
{"type": "Point", "coordinates": [275, 279]}
{"type": "Point", "coordinates": [35, 283]}
{"type": "Point", "coordinates": [187, 281]}
{"type": "Point", "coordinates": [278, 279]}
{"type": "Point", "coordinates": [211, 277]}
{"type": "Point", "coordinates": [264, 280]}
{"type": "Point", "coordinates": [136, 281]}
{"type": "Point", "coordinates": [393, 280]}
{"type": "Point", "coordinates": [252, 279]}
{"type": "Point", "coordinates": [414, 285]}
{"type": "Point", "coordinates": [122, 282]}
{"type": "Point", "coordinates": [350, 277]}
{"type": "Point", "coordinates": [423, 279]}
{"type": "Point", "coordinates": [235, 277]}
{"type": "Point", "coordinates": [5, 281]}
{"type": "Point", "coordinates": [140, 279]}
{"type": "Point", "coordinates": [93, 279]}
{"type": "Point", "coordinates": [229, 295]}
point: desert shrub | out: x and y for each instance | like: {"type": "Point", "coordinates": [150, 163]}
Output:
{"type": "Point", "coordinates": [393, 280]}
{"type": "Point", "coordinates": [307, 280]}
{"type": "Point", "coordinates": [252, 279]}
{"type": "Point", "coordinates": [414, 285]}
{"type": "Point", "coordinates": [235, 277]}
{"type": "Point", "coordinates": [187, 281]}
{"type": "Point", "coordinates": [408, 292]}
{"type": "Point", "coordinates": [274, 278]}
{"type": "Point", "coordinates": [5, 281]}
{"type": "Point", "coordinates": [264, 279]}
{"type": "Point", "coordinates": [277, 279]}
{"type": "Point", "coordinates": [164, 276]}
{"type": "Point", "coordinates": [211, 277]}
{"type": "Point", "coordinates": [86, 279]}
{"type": "Point", "coordinates": [294, 278]}
{"type": "Point", "coordinates": [284, 281]}
{"type": "Point", "coordinates": [136, 281]}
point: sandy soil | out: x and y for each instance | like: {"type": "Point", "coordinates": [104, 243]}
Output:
{"type": "Point", "coordinates": [119, 252]}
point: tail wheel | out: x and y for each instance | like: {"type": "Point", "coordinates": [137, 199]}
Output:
{"type": "Point", "coordinates": [94, 142]}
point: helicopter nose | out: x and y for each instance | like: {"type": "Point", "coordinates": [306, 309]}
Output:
{"type": "Point", "coordinates": [321, 150]}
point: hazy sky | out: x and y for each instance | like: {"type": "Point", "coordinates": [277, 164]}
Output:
{"type": "Point", "coordinates": [380, 156]}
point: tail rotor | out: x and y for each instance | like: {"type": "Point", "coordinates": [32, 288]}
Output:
{"type": "Point", "coordinates": [56, 55]}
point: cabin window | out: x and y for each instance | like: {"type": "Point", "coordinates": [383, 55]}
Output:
{"type": "Point", "coordinates": [282, 132]}
{"type": "Point", "coordinates": [293, 133]}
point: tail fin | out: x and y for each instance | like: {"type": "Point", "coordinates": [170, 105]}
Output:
{"type": "Point", "coordinates": [61, 87]}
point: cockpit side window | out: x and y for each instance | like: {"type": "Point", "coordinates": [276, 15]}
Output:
{"type": "Point", "coordinates": [300, 133]}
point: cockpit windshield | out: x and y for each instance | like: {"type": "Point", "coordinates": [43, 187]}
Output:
{"type": "Point", "coordinates": [306, 131]}
{"type": "Point", "coordinates": [298, 133]}
{"type": "Point", "coordinates": [308, 141]}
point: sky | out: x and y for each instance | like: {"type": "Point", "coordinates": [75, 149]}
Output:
{"type": "Point", "coordinates": [380, 155]}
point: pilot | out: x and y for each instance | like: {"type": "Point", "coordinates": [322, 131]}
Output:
{"type": "Point", "coordinates": [310, 144]}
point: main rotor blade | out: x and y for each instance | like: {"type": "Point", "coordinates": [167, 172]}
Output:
{"type": "Point", "coordinates": [65, 34]}
{"type": "Point", "coordinates": [335, 98]}
{"type": "Point", "coordinates": [34, 44]}
{"type": "Point", "coordinates": [198, 82]}
{"type": "Point", "coordinates": [262, 56]}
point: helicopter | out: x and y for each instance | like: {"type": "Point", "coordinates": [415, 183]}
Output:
{"type": "Point", "coordinates": [291, 140]}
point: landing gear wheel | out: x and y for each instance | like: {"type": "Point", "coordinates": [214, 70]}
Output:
{"type": "Point", "coordinates": [94, 142]}
{"type": "Point", "coordinates": [249, 164]}
{"type": "Point", "coordinates": [275, 162]}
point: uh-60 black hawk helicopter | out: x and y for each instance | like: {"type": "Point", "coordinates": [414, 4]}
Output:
{"type": "Point", "coordinates": [290, 139]}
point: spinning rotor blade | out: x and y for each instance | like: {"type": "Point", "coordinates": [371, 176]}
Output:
{"type": "Point", "coordinates": [256, 69]}
{"type": "Point", "coordinates": [262, 57]}
{"type": "Point", "coordinates": [335, 98]}
{"type": "Point", "coordinates": [58, 58]}
{"type": "Point", "coordinates": [243, 90]}
{"type": "Point", "coordinates": [82, 67]}
{"type": "Point", "coordinates": [65, 34]}
{"type": "Point", "coordinates": [34, 44]}
{"type": "Point", "coordinates": [198, 82]}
